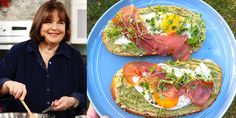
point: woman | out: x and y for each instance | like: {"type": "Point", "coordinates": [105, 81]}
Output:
{"type": "Point", "coordinates": [45, 70]}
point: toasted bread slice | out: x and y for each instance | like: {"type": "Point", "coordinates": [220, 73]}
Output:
{"type": "Point", "coordinates": [119, 43]}
{"type": "Point", "coordinates": [130, 100]}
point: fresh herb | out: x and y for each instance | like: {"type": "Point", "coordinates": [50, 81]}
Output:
{"type": "Point", "coordinates": [171, 75]}
{"type": "Point", "coordinates": [158, 8]}
{"type": "Point", "coordinates": [170, 62]}
{"type": "Point", "coordinates": [133, 48]}
{"type": "Point", "coordinates": [183, 80]}
{"type": "Point", "coordinates": [152, 22]}
{"type": "Point", "coordinates": [173, 27]}
{"type": "Point", "coordinates": [162, 9]}
{"type": "Point", "coordinates": [199, 75]}
{"type": "Point", "coordinates": [157, 89]}
{"type": "Point", "coordinates": [192, 40]}
{"type": "Point", "coordinates": [131, 32]}
{"type": "Point", "coordinates": [170, 21]}
{"type": "Point", "coordinates": [113, 32]}
{"type": "Point", "coordinates": [152, 69]}
{"type": "Point", "coordinates": [144, 85]}
{"type": "Point", "coordinates": [195, 39]}
{"type": "Point", "coordinates": [214, 74]}
{"type": "Point", "coordinates": [143, 93]}
{"type": "Point", "coordinates": [164, 88]}
{"type": "Point", "coordinates": [200, 15]}
{"type": "Point", "coordinates": [158, 18]}
{"type": "Point", "coordinates": [194, 86]}
{"type": "Point", "coordinates": [181, 30]}
{"type": "Point", "coordinates": [153, 29]}
{"type": "Point", "coordinates": [194, 30]}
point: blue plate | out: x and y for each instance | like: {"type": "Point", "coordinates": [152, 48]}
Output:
{"type": "Point", "coordinates": [219, 46]}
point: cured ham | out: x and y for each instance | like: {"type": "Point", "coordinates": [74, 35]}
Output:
{"type": "Point", "coordinates": [170, 44]}
{"type": "Point", "coordinates": [170, 91]}
{"type": "Point", "coordinates": [141, 71]}
{"type": "Point", "coordinates": [199, 92]}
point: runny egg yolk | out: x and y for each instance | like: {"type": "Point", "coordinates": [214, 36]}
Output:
{"type": "Point", "coordinates": [164, 101]}
{"type": "Point", "coordinates": [170, 23]}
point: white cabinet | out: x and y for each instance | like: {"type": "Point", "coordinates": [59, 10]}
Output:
{"type": "Point", "coordinates": [78, 21]}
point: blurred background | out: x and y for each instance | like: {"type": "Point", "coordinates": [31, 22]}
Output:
{"type": "Point", "coordinates": [226, 8]}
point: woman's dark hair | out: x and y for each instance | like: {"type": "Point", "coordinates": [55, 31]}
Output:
{"type": "Point", "coordinates": [43, 14]}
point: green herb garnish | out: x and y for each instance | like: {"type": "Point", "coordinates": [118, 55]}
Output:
{"type": "Point", "coordinates": [152, 69]}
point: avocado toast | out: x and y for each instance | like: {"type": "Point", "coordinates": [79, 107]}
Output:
{"type": "Point", "coordinates": [155, 30]}
{"type": "Point", "coordinates": [168, 89]}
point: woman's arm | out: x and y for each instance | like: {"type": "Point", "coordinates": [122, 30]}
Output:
{"type": "Point", "coordinates": [8, 67]}
{"type": "Point", "coordinates": [17, 89]}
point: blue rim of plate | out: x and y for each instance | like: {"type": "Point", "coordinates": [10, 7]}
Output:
{"type": "Point", "coordinates": [219, 46]}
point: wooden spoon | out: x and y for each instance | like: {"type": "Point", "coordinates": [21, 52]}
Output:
{"type": "Point", "coordinates": [31, 115]}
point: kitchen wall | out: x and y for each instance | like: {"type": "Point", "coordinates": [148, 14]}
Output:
{"type": "Point", "coordinates": [24, 9]}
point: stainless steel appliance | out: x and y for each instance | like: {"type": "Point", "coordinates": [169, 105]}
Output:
{"type": "Point", "coordinates": [12, 32]}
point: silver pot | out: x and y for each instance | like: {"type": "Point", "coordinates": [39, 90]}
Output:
{"type": "Point", "coordinates": [81, 116]}
{"type": "Point", "coordinates": [24, 115]}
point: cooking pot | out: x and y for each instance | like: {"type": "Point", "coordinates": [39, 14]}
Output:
{"type": "Point", "coordinates": [81, 116]}
{"type": "Point", "coordinates": [24, 115]}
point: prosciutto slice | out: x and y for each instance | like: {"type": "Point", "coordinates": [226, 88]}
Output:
{"type": "Point", "coordinates": [145, 71]}
{"type": "Point", "coordinates": [170, 91]}
{"type": "Point", "coordinates": [199, 92]}
{"type": "Point", "coordinates": [170, 44]}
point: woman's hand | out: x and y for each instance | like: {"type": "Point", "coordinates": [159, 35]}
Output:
{"type": "Point", "coordinates": [63, 103]}
{"type": "Point", "coordinates": [17, 89]}
{"type": "Point", "coordinates": [91, 113]}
